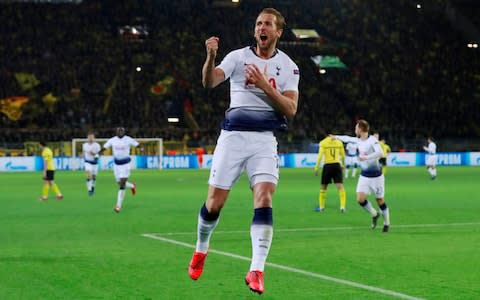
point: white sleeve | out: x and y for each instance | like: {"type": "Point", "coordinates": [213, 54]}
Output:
{"type": "Point", "coordinates": [378, 152]}
{"type": "Point", "coordinates": [133, 142]}
{"type": "Point", "coordinates": [108, 144]}
{"type": "Point", "coordinates": [293, 78]}
{"type": "Point", "coordinates": [228, 63]}
{"type": "Point", "coordinates": [97, 148]}
{"type": "Point", "coordinates": [346, 138]}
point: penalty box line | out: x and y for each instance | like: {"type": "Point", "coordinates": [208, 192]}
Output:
{"type": "Point", "coordinates": [291, 269]}
{"type": "Point", "coordinates": [313, 229]}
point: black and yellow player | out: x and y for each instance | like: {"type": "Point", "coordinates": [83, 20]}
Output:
{"type": "Point", "coordinates": [48, 174]}
{"type": "Point", "coordinates": [383, 161]}
{"type": "Point", "coordinates": [333, 152]}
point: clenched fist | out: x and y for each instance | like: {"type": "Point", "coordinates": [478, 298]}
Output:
{"type": "Point", "coordinates": [211, 45]}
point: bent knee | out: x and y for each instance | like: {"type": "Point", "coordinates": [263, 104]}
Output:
{"type": "Point", "coordinates": [216, 199]}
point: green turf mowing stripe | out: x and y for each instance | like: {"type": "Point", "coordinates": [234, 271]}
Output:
{"type": "Point", "coordinates": [293, 270]}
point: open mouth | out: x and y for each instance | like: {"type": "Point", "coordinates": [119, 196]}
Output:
{"type": "Point", "coordinates": [263, 37]}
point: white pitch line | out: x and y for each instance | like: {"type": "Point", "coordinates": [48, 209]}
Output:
{"type": "Point", "coordinates": [306, 229]}
{"type": "Point", "coordinates": [293, 270]}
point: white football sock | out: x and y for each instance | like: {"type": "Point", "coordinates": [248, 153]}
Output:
{"type": "Point", "coordinates": [120, 197]}
{"type": "Point", "coordinates": [434, 172]}
{"type": "Point", "coordinates": [261, 236]}
{"type": "Point", "coordinates": [88, 184]}
{"type": "Point", "coordinates": [129, 185]}
{"type": "Point", "coordinates": [354, 171]}
{"type": "Point", "coordinates": [204, 232]}
{"type": "Point", "coordinates": [368, 207]}
{"type": "Point", "coordinates": [346, 172]}
{"type": "Point", "coordinates": [386, 217]}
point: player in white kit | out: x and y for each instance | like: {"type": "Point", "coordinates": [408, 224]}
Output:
{"type": "Point", "coordinates": [263, 93]}
{"type": "Point", "coordinates": [351, 160]}
{"type": "Point", "coordinates": [371, 178]}
{"type": "Point", "coordinates": [90, 151]}
{"type": "Point", "coordinates": [121, 145]}
{"type": "Point", "coordinates": [431, 159]}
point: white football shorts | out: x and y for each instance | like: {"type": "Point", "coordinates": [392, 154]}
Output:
{"type": "Point", "coordinates": [92, 168]}
{"type": "Point", "coordinates": [351, 160]}
{"type": "Point", "coordinates": [431, 160]}
{"type": "Point", "coordinates": [238, 151]}
{"type": "Point", "coordinates": [121, 171]}
{"type": "Point", "coordinates": [369, 185]}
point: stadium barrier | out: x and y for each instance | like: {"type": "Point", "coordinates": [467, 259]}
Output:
{"type": "Point", "coordinates": [193, 161]}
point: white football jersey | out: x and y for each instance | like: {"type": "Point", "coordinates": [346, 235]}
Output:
{"type": "Point", "coordinates": [88, 148]}
{"type": "Point", "coordinates": [370, 147]}
{"type": "Point", "coordinates": [121, 146]}
{"type": "Point", "coordinates": [432, 148]}
{"type": "Point", "coordinates": [283, 74]}
{"type": "Point", "coordinates": [352, 149]}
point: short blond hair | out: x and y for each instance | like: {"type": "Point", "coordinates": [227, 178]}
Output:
{"type": "Point", "coordinates": [363, 125]}
{"type": "Point", "coordinates": [280, 19]}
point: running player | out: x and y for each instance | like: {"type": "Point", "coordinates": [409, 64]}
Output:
{"type": "Point", "coordinates": [263, 93]}
{"type": "Point", "coordinates": [48, 173]}
{"type": "Point", "coordinates": [121, 145]}
{"type": "Point", "coordinates": [371, 178]}
{"type": "Point", "coordinates": [90, 152]}
{"type": "Point", "coordinates": [351, 160]}
{"type": "Point", "coordinates": [431, 160]}
{"type": "Point", "coordinates": [332, 150]}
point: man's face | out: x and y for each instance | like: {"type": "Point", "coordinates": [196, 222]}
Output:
{"type": "Point", "coordinates": [90, 138]}
{"type": "Point", "coordinates": [358, 131]}
{"type": "Point", "coordinates": [120, 132]}
{"type": "Point", "coordinates": [266, 32]}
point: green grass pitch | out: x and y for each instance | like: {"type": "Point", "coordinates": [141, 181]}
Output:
{"type": "Point", "coordinates": [79, 248]}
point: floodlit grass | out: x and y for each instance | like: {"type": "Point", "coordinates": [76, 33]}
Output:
{"type": "Point", "coordinates": [79, 248]}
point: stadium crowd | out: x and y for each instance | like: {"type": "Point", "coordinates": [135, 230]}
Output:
{"type": "Point", "coordinates": [409, 71]}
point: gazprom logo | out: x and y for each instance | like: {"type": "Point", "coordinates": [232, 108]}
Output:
{"type": "Point", "coordinates": [110, 164]}
{"type": "Point", "coordinates": [449, 159]}
{"type": "Point", "coordinates": [10, 166]}
{"type": "Point", "coordinates": [306, 163]}
{"type": "Point", "coordinates": [209, 163]}
{"type": "Point", "coordinates": [397, 162]}
{"type": "Point", "coordinates": [173, 162]}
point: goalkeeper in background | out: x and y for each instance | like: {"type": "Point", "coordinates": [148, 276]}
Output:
{"type": "Point", "coordinates": [48, 173]}
{"type": "Point", "coordinates": [333, 152]}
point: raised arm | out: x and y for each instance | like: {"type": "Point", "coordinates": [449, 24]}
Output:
{"type": "Point", "coordinates": [345, 138]}
{"type": "Point", "coordinates": [211, 76]}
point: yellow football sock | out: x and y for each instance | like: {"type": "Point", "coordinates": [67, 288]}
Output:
{"type": "Point", "coordinates": [322, 199]}
{"type": "Point", "coordinates": [55, 189]}
{"type": "Point", "coordinates": [45, 189]}
{"type": "Point", "coordinates": [343, 198]}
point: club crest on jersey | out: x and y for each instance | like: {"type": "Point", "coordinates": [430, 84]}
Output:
{"type": "Point", "coordinates": [296, 72]}
{"type": "Point", "coordinates": [278, 70]}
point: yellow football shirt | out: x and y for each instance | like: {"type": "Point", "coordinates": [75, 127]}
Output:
{"type": "Point", "coordinates": [385, 148]}
{"type": "Point", "coordinates": [47, 155]}
{"type": "Point", "coordinates": [332, 150]}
